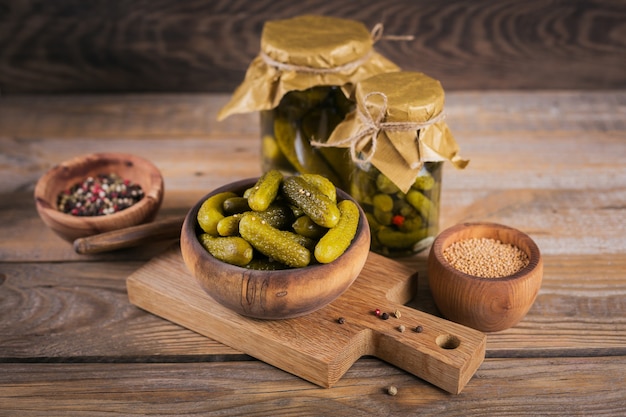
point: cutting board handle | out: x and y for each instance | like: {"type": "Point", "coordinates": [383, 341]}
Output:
{"type": "Point", "coordinates": [441, 352]}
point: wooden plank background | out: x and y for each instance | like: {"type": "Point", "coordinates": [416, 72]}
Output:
{"type": "Point", "coordinates": [552, 164]}
{"type": "Point", "coordinates": [78, 46]}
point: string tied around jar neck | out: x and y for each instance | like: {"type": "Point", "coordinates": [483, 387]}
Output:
{"type": "Point", "coordinates": [363, 144]}
{"type": "Point", "coordinates": [376, 35]}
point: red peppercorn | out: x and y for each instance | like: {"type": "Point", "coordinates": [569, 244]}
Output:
{"type": "Point", "coordinates": [377, 312]}
{"type": "Point", "coordinates": [398, 220]}
{"type": "Point", "coordinates": [99, 196]}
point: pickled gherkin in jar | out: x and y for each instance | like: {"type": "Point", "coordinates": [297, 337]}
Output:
{"type": "Point", "coordinates": [302, 118]}
{"type": "Point", "coordinates": [401, 223]}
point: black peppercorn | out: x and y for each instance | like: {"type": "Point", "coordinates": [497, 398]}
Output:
{"type": "Point", "coordinates": [100, 195]}
{"type": "Point", "coordinates": [384, 316]}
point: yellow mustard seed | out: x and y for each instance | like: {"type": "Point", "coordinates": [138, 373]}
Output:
{"type": "Point", "coordinates": [485, 257]}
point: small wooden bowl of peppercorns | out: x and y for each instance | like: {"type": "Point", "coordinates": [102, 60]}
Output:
{"type": "Point", "coordinates": [484, 275]}
{"type": "Point", "coordinates": [98, 193]}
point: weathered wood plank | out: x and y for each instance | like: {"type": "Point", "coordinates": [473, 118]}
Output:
{"type": "Point", "coordinates": [80, 312]}
{"type": "Point", "coordinates": [77, 46]}
{"type": "Point", "coordinates": [72, 311]}
{"type": "Point", "coordinates": [163, 116]}
{"type": "Point", "coordinates": [591, 386]}
{"type": "Point", "coordinates": [564, 187]}
{"type": "Point", "coordinates": [568, 223]}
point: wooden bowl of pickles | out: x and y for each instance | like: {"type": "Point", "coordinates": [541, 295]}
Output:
{"type": "Point", "coordinates": [275, 247]}
{"type": "Point", "coordinates": [97, 193]}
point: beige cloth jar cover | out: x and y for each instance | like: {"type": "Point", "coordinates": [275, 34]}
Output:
{"type": "Point", "coordinates": [304, 52]}
{"type": "Point", "coordinates": [398, 124]}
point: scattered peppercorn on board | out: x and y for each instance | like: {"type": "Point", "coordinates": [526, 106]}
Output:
{"type": "Point", "coordinates": [322, 346]}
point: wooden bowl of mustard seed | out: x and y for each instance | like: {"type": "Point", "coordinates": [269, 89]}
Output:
{"type": "Point", "coordinates": [98, 193]}
{"type": "Point", "coordinates": [484, 275]}
{"type": "Point", "coordinates": [263, 286]}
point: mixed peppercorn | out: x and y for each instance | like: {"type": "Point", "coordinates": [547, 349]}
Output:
{"type": "Point", "coordinates": [100, 195]}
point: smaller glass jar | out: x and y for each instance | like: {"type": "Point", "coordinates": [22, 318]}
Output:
{"type": "Point", "coordinates": [398, 141]}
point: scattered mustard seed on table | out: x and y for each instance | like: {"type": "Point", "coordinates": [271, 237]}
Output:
{"type": "Point", "coordinates": [485, 257]}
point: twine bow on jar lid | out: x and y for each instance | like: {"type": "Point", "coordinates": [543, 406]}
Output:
{"type": "Point", "coordinates": [397, 126]}
{"type": "Point", "coordinates": [307, 51]}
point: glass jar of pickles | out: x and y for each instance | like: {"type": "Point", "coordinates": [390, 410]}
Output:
{"type": "Point", "coordinates": [303, 118]}
{"type": "Point", "coordinates": [300, 83]}
{"type": "Point", "coordinates": [398, 140]}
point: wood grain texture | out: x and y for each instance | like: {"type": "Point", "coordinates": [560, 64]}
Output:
{"type": "Point", "coordinates": [81, 313]}
{"type": "Point", "coordinates": [549, 163]}
{"type": "Point", "coordinates": [445, 353]}
{"type": "Point", "coordinates": [544, 163]}
{"type": "Point", "coordinates": [167, 46]}
{"type": "Point", "coordinates": [567, 386]}
{"type": "Point", "coordinates": [69, 311]}
{"type": "Point", "coordinates": [67, 174]}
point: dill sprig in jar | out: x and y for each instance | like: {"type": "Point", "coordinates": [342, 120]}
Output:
{"type": "Point", "coordinates": [398, 141]}
{"type": "Point", "coordinates": [301, 82]}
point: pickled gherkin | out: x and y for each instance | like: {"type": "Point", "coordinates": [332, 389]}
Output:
{"type": "Point", "coordinates": [277, 215]}
{"type": "Point", "coordinates": [306, 227]}
{"type": "Point", "coordinates": [273, 242]}
{"type": "Point", "coordinates": [421, 203]}
{"type": "Point", "coordinates": [336, 240]}
{"type": "Point", "coordinates": [229, 225]}
{"type": "Point", "coordinates": [265, 264]}
{"type": "Point", "coordinates": [274, 238]}
{"type": "Point", "coordinates": [323, 184]}
{"type": "Point", "coordinates": [231, 249]}
{"type": "Point", "coordinates": [383, 202]}
{"type": "Point", "coordinates": [321, 209]}
{"type": "Point", "coordinates": [265, 190]}
{"type": "Point", "coordinates": [394, 239]}
{"type": "Point", "coordinates": [235, 205]}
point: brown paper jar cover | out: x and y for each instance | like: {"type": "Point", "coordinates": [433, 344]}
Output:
{"type": "Point", "coordinates": [398, 125]}
{"type": "Point", "coordinates": [304, 52]}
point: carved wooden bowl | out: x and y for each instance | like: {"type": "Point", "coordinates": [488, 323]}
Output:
{"type": "Point", "coordinates": [66, 174]}
{"type": "Point", "coordinates": [485, 304]}
{"type": "Point", "coordinates": [278, 294]}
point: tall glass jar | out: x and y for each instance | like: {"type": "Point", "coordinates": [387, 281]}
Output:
{"type": "Point", "coordinates": [398, 141]}
{"type": "Point", "coordinates": [300, 119]}
{"type": "Point", "coordinates": [301, 82]}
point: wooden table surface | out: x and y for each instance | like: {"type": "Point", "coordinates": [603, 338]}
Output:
{"type": "Point", "coordinates": [551, 163]}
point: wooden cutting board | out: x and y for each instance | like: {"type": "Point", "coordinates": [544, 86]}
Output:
{"type": "Point", "coordinates": [317, 347]}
